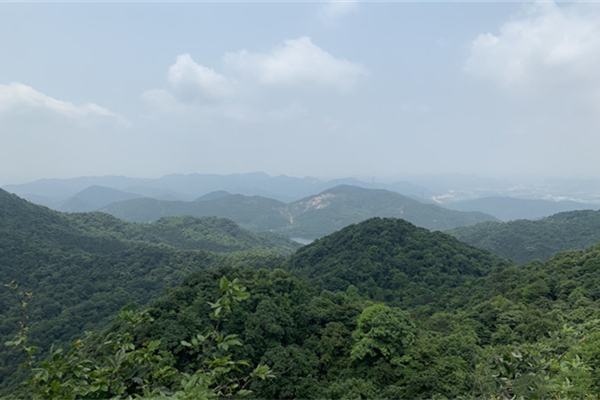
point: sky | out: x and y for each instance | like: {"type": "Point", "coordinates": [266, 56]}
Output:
{"type": "Point", "coordinates": [324, 89]}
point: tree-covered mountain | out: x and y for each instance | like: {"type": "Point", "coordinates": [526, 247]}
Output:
{"type": "Point", "coordinates": [82, 268]}
{"type": "Point", "coordinates": [309, 218]}
{"type": "Point", "coordinates": [379, 309]}
{"type": "Point", "coordinates": [336, 208]}
{"type": "Point", "coordinates": [392, 260]}
{"type": "Point", "coordinates": [523, 240]}
{"type": "Point", "coordinates": [487, 329]}
{"type": "Point", "coordinates": [251, 212]}
{"type": "Point", "coordinates": [186, 233]}
{"type": "Point", "coordinates": [94, 197]}
{"type": "Point", "coordinates": [509, 208]}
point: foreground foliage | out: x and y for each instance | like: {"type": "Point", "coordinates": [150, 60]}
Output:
{"type": "Point", "coordinates": [116, 365]}
{"type": "Point", "coordinates": [318, 345]}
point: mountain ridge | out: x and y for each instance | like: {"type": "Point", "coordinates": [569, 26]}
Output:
{"type": "Point", "coordinates": [524, 240]}
{"type": "Point", "coordinates": [191, 186]}
{"type": "Point", "coordinates": [311, 217]}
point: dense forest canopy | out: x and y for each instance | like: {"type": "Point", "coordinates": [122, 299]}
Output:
{"type": "Point", "coordinates": [523, 240]}
{"type": "Point", "coordinates": [380, 309]}
{"type": "Point", "coordinates": [82, 268]}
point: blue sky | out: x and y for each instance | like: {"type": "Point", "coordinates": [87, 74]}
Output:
{"type": "Point", "coordinates": [319, 89]}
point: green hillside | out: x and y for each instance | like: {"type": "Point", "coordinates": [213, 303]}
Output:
{"type": "Point", "coordinates": [487, 329]}
{"type": "Point", "coordinates": [392, 260]}
{"type": "Point", "coordinates": [309, 218]}
{"type": "Point", "coordinates": [94, 197]}
{"type": "Point", "coordinates": [82, 268]}
{"type": "Point", "coordinates": [185, 233]}
{"type": "Point", "coordinates": [336, 208]}
{"type": "Point", "coordinates": [251, 212]}
{"type": "Point", "coordinates": [523, 241]}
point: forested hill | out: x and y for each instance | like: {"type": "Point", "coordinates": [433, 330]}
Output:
{"type": "Point", "coordinates": [83, 267]}
{"type": "Point", "coordinates": [94, 197]}
{"type": "Point", "coordinates": [185, 233]}
{"type": "Point", "coordinates": [392, 260]}
{"type": "Point", "coordinates": [309, 218]}
{"type": "Point", "coordinates": [508, 208]}
{"type": "Point", "coordinates": [251, 212]}
{"type": "Point", "coordinates": [513, 332]}
{"type": "Point", "coordinates": [530, 332]}
{"type": "Point", "coordinates": [99, 229]}
{"type": "Point", "coordinates": [336, 208]}
{"type": "Point", "coordinates": [523, 241]}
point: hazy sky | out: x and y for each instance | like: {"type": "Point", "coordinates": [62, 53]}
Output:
{"type": "Point", "coordinates": [320, 89]}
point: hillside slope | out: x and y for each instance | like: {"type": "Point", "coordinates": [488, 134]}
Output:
{"type": "Point", "coordinates": [82, 268]}
{"type": "Point", "coordinates": [309, 218]}
{"type": "Point", "coordinates": [94, 197]}
{"type": "Point", "coordinates": [251, 212]}
{"type": "Point", "coordinates": [381, 309]}
{"type": "Point", "coordinates": [336, 208]}
{"type": "Point", "coordinates": [523, 241]}
{"type": "Point", "coordinates": [392, 260]}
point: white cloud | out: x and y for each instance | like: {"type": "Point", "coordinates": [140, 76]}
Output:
{"type": "Point", "coordinates": [162, 101]}
{"type": "Point", "coordinates": [297, 61]}
{"type": "Point", "coordinates": [332, 11]}
{"type": "Point", "coordinates": [544, 46]}
{"type": "Point", "coordinates": [255, 86]}
{"type": "Point", "coordinates": [193, 81]}
{"type": "Point", "coordinates": [16, 98]}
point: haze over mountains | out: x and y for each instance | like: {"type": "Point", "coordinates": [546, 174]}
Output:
{"type": "Point", "coordinates": [292, 206]}
{"type": "Point", "coordinates": [192, 186]}
{"type": "Point", "coordinates": [308, 218]}
{"type": "Point", "coordinates": [440, 189]}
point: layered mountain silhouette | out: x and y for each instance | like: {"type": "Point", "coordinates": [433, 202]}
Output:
{"type": "Point", "coordinates": [311, 217]}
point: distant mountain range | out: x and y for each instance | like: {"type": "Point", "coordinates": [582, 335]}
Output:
{"type": "Point", "coordinates": [252, 212]}
{"type": "Point", "coordinates": [54, 192]}
{"type": "Point", "coordinates": [508, 208]}
{"type": "Point", "coordinates": [93, 198]}
{"type": "Point", "coordinates": [273, 203]}
{"type": "Point", "coordinates": [309, 218]}
{"type": "Point", "coordinates": [522, 240]}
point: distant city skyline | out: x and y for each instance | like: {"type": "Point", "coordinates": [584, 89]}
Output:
{"type": "Point", "coordinates": [329, 89]}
